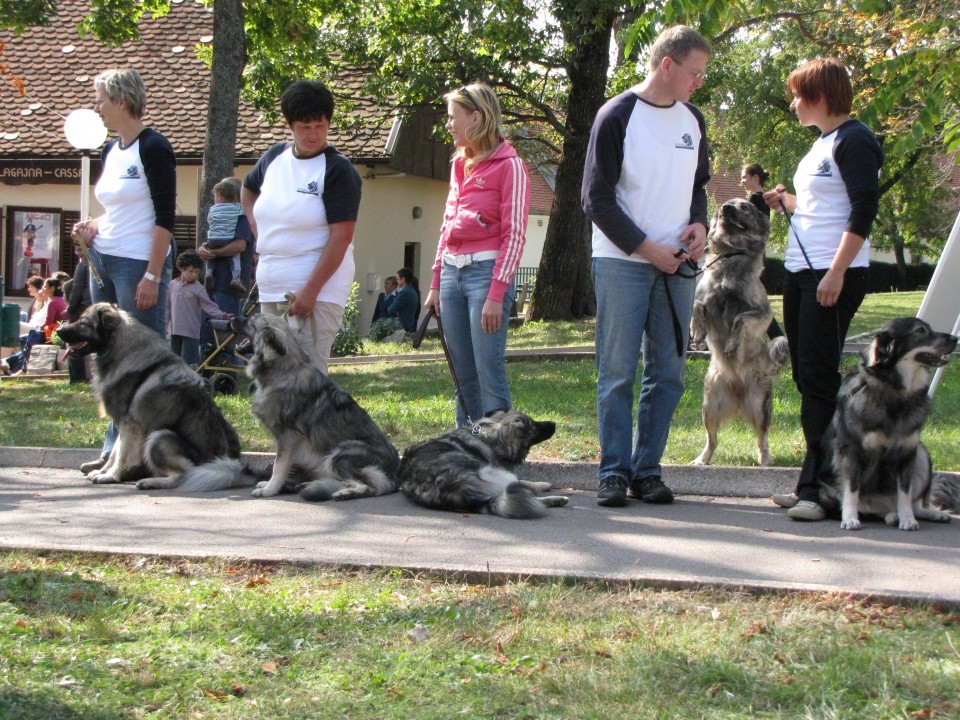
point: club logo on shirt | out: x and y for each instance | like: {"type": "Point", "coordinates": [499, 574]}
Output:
{"type": "Point", "coordinates": [132, 173]}
{"type": "Point", "coordinates": [480, 182]}
{"type": "Point", "coordinates": [686, 142]}
{"type": "Point", "coordinates": [824, 169]}
{"type": "Point", "coordinates": [310, 189]}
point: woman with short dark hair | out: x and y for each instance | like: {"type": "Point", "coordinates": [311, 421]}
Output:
{"type": "Point", "coordinates": [302, 199]}
{"type": "Point", "coordinates": [827, 261]}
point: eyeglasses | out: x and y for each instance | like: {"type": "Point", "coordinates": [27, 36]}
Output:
{"type": "Point", "coordinates": [699, 75]}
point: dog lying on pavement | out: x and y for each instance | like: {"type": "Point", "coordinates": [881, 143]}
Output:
{"type": "Point", "coordinates": [470, 469]}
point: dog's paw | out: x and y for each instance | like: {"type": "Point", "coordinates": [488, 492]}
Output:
{"type": "Point", "coordinates": [940, 517]}
{"type": "Point", "coordinates": [99, 478]}
{"type": "Point", "coordinates": [909, 524]}
{"type": "Point", "coordinates": [555, 500]}
{"type": "Point", "coordinates": [850, 524]}
{"type": "Point", "coordinates": [700, 461]}
{"type": "Point", "coordinates": [264, 490]}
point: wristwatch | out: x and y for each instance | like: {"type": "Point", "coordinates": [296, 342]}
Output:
{"type": "Point", "coordinates": [151, 277]}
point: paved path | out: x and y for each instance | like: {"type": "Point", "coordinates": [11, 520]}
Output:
{"type": "Point", "coordinates": [701, 539]}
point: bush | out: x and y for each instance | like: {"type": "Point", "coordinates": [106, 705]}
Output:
{"type": "Point", "coordinates": [348, 340]}
{"type": "Point", "coordinates": [384, 328]}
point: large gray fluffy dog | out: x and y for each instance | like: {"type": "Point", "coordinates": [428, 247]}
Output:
{"type": "Point", "coordinates": [328, 447]}
{"type": "Point", "coordinates": [874, 461]}
{"type": "Point", "coordinates": [171, 434]}
{"type": "Point", "coordinates": [732, 312]}
{"type": "Point", "coordinates": [470, 469]}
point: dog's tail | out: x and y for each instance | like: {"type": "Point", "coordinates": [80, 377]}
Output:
{"type": "Point", "coordinates": [778, 350]}
{"type": "Point", "coordinates": [945, 492]}
{"type": "Point", "coordinates": [517, 502]}
{"type": "Point", "coordinates": [219, 474]}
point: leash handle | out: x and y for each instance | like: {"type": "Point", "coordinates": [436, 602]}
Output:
{"type": "Point", "coordinates": [84, 252]}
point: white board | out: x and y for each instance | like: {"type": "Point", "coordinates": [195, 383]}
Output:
{"type": "Point", "coordinates": [941, 303]}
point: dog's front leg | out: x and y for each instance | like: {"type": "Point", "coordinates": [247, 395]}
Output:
{"type": "Point", "coordinates": [282, 466]}
{"type": "Point", "coordinates": [850, 507]}
{"type": "Point", "coordinates": [905, 509]}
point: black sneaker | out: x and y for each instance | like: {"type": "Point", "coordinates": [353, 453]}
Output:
{"type": "Point", "coordinates": [651, 490]}
{"type": "Point", "coordinates": [613, 491]}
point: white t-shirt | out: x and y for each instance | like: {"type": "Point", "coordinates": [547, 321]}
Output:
{"type": "Point", "coordinates": [298, 199]}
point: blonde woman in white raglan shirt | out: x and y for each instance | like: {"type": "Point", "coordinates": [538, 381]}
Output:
{"type": "Point", "coordinates": [130, 243]}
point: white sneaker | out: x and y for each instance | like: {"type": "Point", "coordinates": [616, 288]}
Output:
{"type": "Point", "coordinates": [807, 510]}
{"type": "Point", "coordinates": [785, 500]}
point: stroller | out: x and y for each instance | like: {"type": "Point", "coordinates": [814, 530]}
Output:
{"type": "Point", "coordinates": [224, 357]}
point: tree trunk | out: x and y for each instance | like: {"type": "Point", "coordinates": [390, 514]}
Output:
{"type": "Point", "coordinates": [219, 147]}
{"type": "Point", "coordinates": [564, 289]}
{"type": "Point", "coordinates": [901, 263]}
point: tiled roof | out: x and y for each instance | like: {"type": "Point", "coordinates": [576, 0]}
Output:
{"type": "Point", "coordinates": [58, 67]}
{"type": "Point", "coordinates": [541, 193]}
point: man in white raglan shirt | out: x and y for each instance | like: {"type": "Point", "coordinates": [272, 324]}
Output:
{"type": "Point", "coordinates": [644, 189]}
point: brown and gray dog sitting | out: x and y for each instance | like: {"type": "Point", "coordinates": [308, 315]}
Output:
{"type": "Point", "coordinates": [874, 462]}
{"type": "Point", "coordinates": [731, 313]}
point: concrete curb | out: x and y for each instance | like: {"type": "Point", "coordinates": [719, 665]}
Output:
{"type": "Point", "coordinates": [724, 481]}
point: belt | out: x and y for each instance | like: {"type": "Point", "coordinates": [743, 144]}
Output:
{"type": "Point", "coordinates": [461, 261]}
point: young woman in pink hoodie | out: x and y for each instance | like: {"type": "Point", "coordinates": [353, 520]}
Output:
{"type": "Point", "coordinates": [481, 241]}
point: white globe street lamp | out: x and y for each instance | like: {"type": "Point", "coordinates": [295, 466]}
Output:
{"type": "Point", "coordinates": [84, 131]}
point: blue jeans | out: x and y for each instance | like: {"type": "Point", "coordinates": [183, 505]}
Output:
{"type": "Point", "coordinates": [186, 348]}
{"type": "Point", "coordinates": [120, 277]}
{"type": "Point", "coordinates": [633, 314]}
{"type": "Point", "coordinates": [477, 357]}
{"type": "Point", "coordinates": [816, 335]}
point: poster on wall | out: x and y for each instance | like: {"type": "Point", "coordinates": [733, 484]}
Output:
{"type": "Point", "coordinates": [35, 241]}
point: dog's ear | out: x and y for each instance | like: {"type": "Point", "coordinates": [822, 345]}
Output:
{"type": "Point", "coordinates": [881, 349]}
{"type": "Point", "coordinates": [273, 340]}
{"type": "Point", "coordinates": [109, 317]}
{"type": "Point", "coordinates": [238, 324]}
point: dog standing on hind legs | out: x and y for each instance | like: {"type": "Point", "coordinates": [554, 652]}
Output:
{"type": "Point", "coordinates": [874, 462]}
{"type": "Point", "coordinates": [732, 313]}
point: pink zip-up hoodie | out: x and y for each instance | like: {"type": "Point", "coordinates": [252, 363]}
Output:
{"type": "Point", "coordinates": [487, 211]}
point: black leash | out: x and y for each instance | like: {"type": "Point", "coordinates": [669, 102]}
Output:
{"type": "Point", "coordinates": [816, 277]}
{"type": "Point", "coordinates": [418, 339]}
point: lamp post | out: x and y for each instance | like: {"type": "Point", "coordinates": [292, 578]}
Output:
{"type": "Point", "coordinates": [84, 131]}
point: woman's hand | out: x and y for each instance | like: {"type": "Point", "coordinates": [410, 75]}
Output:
{"type": "Point", "coordinates": [147, 294]}
{"type": "Point", "coordinates": [828, 291]}
{"type": "Point", "coordinates": [780, 199]}
{"type": "Point", "coordinates": [433, 301]}
{"type": "Point", "coordinates": [491, 316]}
{"type": "Point", "coordinates": [86, 230]}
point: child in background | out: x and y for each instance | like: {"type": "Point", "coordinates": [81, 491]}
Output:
{"type": "Point", "coordinates": [187, 299]}
{"type": "Point", "coordinates": [222, 228]}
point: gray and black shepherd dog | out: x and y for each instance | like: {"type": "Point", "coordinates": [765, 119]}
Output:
{"type": "Point", "coordinates": [328, 447]}
{"type": "Point", "coordinates": [171, 434]}
{"type": "Point", "coordinates": [732, 312]}
{"type": "Point", "coordinates": [471, 469]}
{"type": "Point", "coordinates": [874, 462]}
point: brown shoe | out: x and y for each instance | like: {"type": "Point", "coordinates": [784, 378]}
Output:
{"type": "Point", "coordinates": [238, 287]}
{"type": "Point", "coordinates": [97, 464]}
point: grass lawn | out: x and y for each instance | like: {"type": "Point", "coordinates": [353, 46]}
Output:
{"type": "Point", "coordinates": [108, 638]}
{"type": "Point", "coordinates": [412, 401]}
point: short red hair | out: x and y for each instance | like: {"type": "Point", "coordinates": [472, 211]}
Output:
{"type": "Point", "coordinates": [823, 79]}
